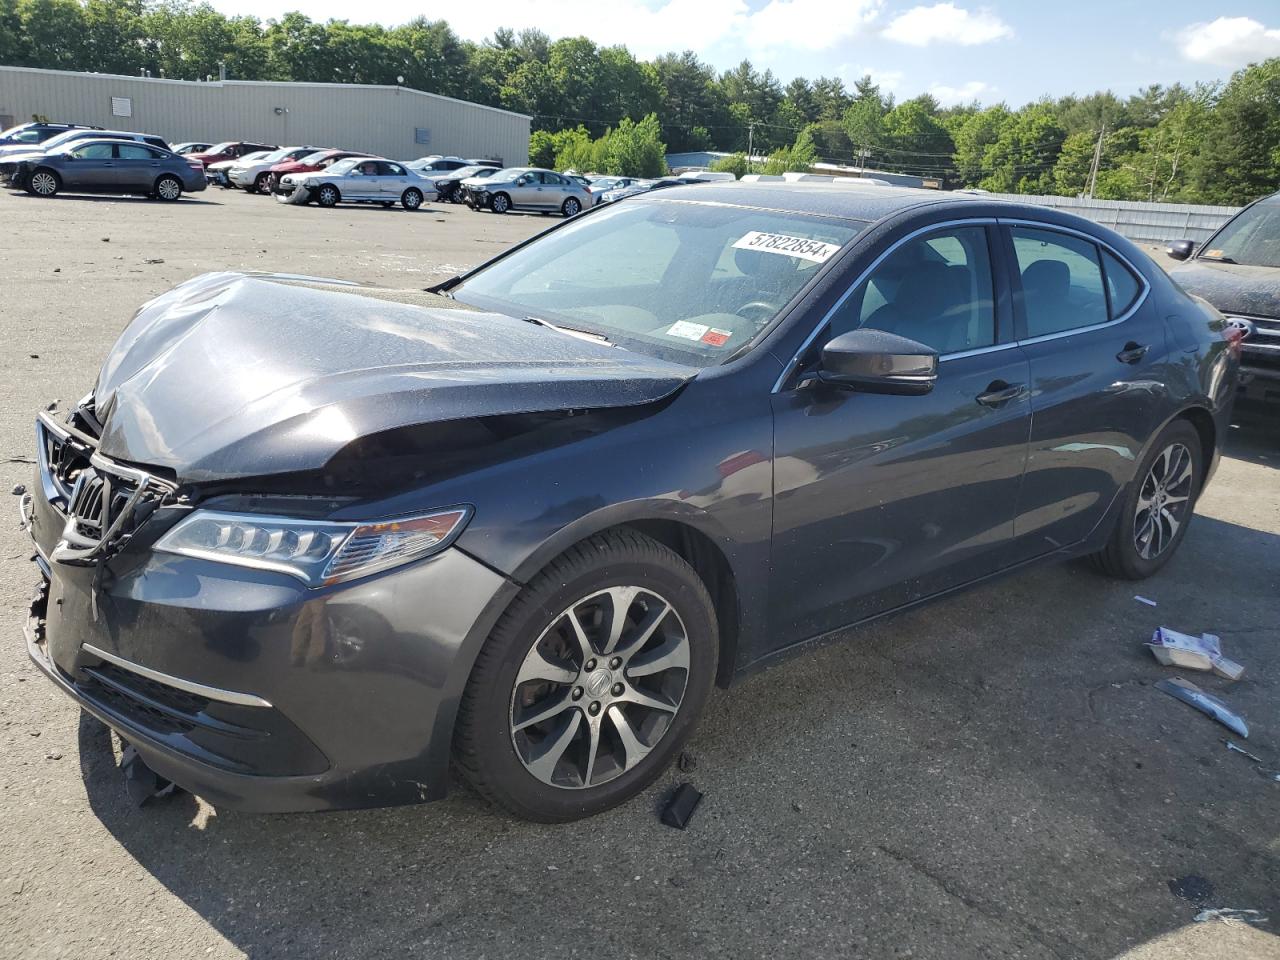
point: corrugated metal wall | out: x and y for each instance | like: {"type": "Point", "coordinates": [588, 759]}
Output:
{"type": "Point", "coordinates": [1140, 222]}
{"type": "Point", "coordinates": [389, 121]}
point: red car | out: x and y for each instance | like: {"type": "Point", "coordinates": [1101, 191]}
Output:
{"type": "Point", "coordinates": [308, 164]}
{"type": "Point", "coordinates": [229, 150]}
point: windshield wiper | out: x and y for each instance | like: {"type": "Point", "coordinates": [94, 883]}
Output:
{"type": "Point", "coordinates": [567, 331]}
{"type": "Point", "coordinates": [1220, 259]}
{"type": "Point", "coordinates": [444, 286]}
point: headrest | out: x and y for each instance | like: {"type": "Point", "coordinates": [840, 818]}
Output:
{"type": "Point", "coordinates": [1047, 278]}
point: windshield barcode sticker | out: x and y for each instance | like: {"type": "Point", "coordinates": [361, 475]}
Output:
{"type": "Point", "coordinates": [816, 250]}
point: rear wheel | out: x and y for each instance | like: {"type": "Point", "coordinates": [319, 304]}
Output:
{"type": "Point", "coordinates": [591, 682]}
{"type": "Point", "coordinates": [411, 199]}
{"type": "Point", "coordinates": [43, 182]}
{"type": "Point", "coordinates": [168, 188]}
{"type": "Point", "coordinates": [328, 196]}
{"type": "Point", "coordinates": [1158, 507]}
{"type": "Point", "coordinates": [500, 203]}
{"type": "Point", "coordinates": [571, 207]}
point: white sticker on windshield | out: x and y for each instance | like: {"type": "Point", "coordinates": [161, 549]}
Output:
{"type": "Point", "coordinates": [686, 330]}
{"type": "Point", "coordinates": [815, 250]}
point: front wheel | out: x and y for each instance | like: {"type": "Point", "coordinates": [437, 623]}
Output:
{"type": "Point", "coordinates": [43, 183]}
{"type": "Point", "coordinates": [168, 188]}
{"type": "Point", "coordinates": [591, 682]}
{"type": "Point", "coordinates": [1158, 507]}
{"type": "Point", "coordinates": [571, 207]}
{"type": "Point", "coordinates": [262, 183]}
{"type": "Point", "coordinates": [411, 199]}
{"type": "Point", "coordinates": [327, 196]}
{"type": "Point", "coordinates": [500, 203]}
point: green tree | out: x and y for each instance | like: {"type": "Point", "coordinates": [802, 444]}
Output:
{"type": "Point", "coordinates": [1022, 158]}
{"type": "Point", "coordinates": [735, 163]}
{"type": "Point", "coordinates": [973, 136]}
{"type": "Point", "coordinates": [798, 158]}
{"type": "Point", "coordinates": [1240, 160]}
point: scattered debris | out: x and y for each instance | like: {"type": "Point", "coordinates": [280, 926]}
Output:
{"type": "Point", "coordinates": [1191, 887]}
{"type": "Point", "coordinates": [57, 269]}
{"type": "Point", "coordinates": [140, 781]}
{"type": "Point", "coordinates": [795, 805]}
{"type": "Point", "coordinates": [153, 260]}
{"type": "Point", "coordinates": [34, 356]}
{"type": "Point", "coordinates": [1174, 649]}
{"type": "Point", "coordinates": [679, 809]}
{"type": "Point", "coordinates": [1273, 775]}
{"type": "Point", "coordinates": [1230, 915]}
{"type": "Point", "coordinates": [18, 490]}
{"type": "Point", "coordinates": [686, 763]}
{"type": "Point", "coordinates": [53, 756]}
{"type": "Point", "coordinates": [1149, 603]}
{"type": "Point", "coordinates": [106, 239]}
{"type": "Point", "coordinates": [19, 460]}
{"type": "Point", "coordinates": [52, 406]}
{"type": "Point", "coordinates": [1206, 703]}
{"type": "Point", "coordinates": [1236, 748]}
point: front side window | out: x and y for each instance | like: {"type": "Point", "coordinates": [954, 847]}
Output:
{"type": "Point", "coordinates": [935, 289]}
{"type": "Point", "coordinates": [95, 151]}
{"type": "Point", "coordinates": [652, 276]}
{"type": "Point", "coordinates": [1251, 238]}
{"type": "Point", "coordinates": [1061, 281]}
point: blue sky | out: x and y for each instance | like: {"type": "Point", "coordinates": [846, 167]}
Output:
{"type": "Point", "coordinates": [957, 50]}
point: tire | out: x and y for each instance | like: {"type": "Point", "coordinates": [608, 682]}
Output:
{"type": "Point", "coordinates": [262, 183]}
{"type": "Point", "coordinates": [1146, 536]}
{"type": "Point", "coordinates": [500, 203]}
{"type": "Point", "coordinates": [43, 182]}
{"type": "Point", "coordinates": [572, 207]}
{"type": "Point", "coordinates": [576, 689]}
{"type": "Point", "coordinates": [168, 188]}
{"type": "Point", "coordinates": [411, 199]}
{"type": "Point", "coordinates": [328, 195]}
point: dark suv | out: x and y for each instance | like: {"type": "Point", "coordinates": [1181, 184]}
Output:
{"type": "Point", "coordinates": [38, 132]}
{"type": "Point", "coordinates": [1238, 271]}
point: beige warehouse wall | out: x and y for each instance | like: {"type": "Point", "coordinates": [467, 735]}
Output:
{"type": "Point", "coordinates": [381, 120]}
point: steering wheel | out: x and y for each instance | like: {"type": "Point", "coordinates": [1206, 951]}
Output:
{"type": "Point", "coordinates": [766, 309]}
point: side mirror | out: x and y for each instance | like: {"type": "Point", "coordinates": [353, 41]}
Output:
{"type": "Point", "coordinates": [1180, 249]}
{"type": "Point", "coordinates": [873, 361]}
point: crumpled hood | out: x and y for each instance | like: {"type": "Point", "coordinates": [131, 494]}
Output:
{"type": "Point", "coordinates": [1232, 287]}
{"type": "Point", "coordinates": [233, 375]}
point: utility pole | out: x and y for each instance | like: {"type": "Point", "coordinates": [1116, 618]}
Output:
{"type": "Point", "coordinates": [1097, 159]}
{"type": "Point", "coordinates": [751, 139]}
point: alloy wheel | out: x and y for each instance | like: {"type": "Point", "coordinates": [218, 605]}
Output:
{"type": "Point", "coordinates": [44, 184]}
{"type": "Point", "coordinates": [169, 189]}
{"type": "Point", "coordinates": [1163, 501]}
{"type": "Point", "coordinates": [500, 204]}
{"type": "Point", "coordinates": [600, 687]}
{"type": "Point", "coordinates": [571, 207]}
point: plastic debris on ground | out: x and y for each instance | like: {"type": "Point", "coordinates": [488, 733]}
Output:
{"type": "Point", "coordinates": [679, 809]}
{"type": "Point", "coordinates": [1149, 603]}
{"type": "Point", "coordinates": [1230, 915]}
{"type": "Point", "coordinates": [1206, 703]}
{"type": "Point", "coordinates": [1174, 649]}
{"type": "Point", "coordinates": [1236, 748]}
{"type": "Point", "coordinates": [140, 781]}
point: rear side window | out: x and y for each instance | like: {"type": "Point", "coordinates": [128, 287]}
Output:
{"type": "Point", "coordinates": [1061, 281]}
{"type": "Point", "coordinates": [1122, 285]}
{"type": "Point", "coordinates": [135, 151]}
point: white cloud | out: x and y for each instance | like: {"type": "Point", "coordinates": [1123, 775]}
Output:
{"type": "Point", "coordinates": [949, 96]}
{"type": "Point", "coordinates": [946, 23]}
{"type": "Point", "coordinates": [807, 24]}
{"type": "Point", "coordinates": [887, 80]}
{"type": "Point", "coordinates": [1229, 41]}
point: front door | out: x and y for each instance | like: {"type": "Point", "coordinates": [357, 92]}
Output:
{"type": "Point", "coordinates": [882, 500]}
{"type": "Point", "coordinates": [94, 168]}
{"type": "Point", "coordinates": [1097, 351]}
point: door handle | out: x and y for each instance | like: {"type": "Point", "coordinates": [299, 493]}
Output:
{"type": "Point", "coordinates": [1000, 392]}
{"type": "Point", "coordinates": [1133, 352]}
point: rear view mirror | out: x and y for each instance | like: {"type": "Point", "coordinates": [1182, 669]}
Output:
{"type": "Point", "coordinates": [1180, 249]}
{"type": "Point", "coordinates": [873, 361]}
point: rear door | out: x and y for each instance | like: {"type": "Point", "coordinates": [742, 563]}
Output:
{"type": "Point", "coordinates": [138, 166]}
{"type": "Point", "coordinates": [1097, 352]}
{"type": "Point", "coordinates": [390, 180]}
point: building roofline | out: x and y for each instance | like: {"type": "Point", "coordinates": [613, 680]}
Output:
{"type": "Point", "coordinates": [267, 83]}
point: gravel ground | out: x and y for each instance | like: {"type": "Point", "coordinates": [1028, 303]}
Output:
{"type": "Point", "coordinates": [990, 776]}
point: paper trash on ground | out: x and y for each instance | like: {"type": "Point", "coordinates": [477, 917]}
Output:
{"type": "Point", "coordinates": [1207, 703]}
{"type": "Point", "coordinates": [1174, 649]}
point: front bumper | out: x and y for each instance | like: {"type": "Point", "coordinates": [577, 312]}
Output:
{"type": "Point", "coordinates": [251, 690]}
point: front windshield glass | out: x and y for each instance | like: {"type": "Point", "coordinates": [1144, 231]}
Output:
{"type": "Point", "coordinates": [509, 173]}
{"type": "Point", "coordinates": [273, 156]}
{"type": "Point", "coordinates": [1252, 238]}
{"type": "Point", "coordinates": [344, 166]}
{"type": "Point", "coordinates": [690, 282]}
{"type": "Point", "coordinates": [221, 147]}
{"type": "Point", "coordinates": [314, 157]}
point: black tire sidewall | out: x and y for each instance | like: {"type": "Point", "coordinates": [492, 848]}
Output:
{"type": "Point", "coordinates": [513, 785]}
{"type": "Point", "coordinates": [1123, 549]}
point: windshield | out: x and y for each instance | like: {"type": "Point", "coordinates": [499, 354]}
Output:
{"type": "Point", "coordinates": [312, 158]}
{"type": "Point", "coordinates": [690, 282]}
{"type": "Point", "coordinates": [1252, 238]}
{"type": "Point", "coordinates": [221, 147]}
{"type": "Point", "coordinates": [342, 166]}
{"type": "Point", "coordinates": [271, 157]}
{"type": "Point", "coordinates": [72, 135]}
{"type": "Point", "coordinates": [464, 172]}
{"type": "Point", "coordinates": [509, 173]}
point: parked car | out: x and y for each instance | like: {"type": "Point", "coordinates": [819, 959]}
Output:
{"type": "Point", "coordinates": [529, 188]}
{"type": "Point", "coordinates": [220, 172]}
{"type": "Point", "coordinates": [103, 166]}
{"type": "Point", "coordinates": [254, 175]}
{"type": "Point", "coordinates": [82, 133]}
{"type": "Point", "coordinates": [357, 180]}
{"type": "Point", "coordinates": [38, 132]}
{"type": "Point", "coordinates": [426, 166]}
{"type": "Point", "coordinates": [449, 185]}
{"type": "Point", "coordinates": [190, 146]}
{"type": "Point", "coordinates": [530, 518]}
{"type": "Point", "coordinates": [230, 150]}
{"type": "Point", "coordinates": [602, 185]}
{"type": "Point", "coordinates": [309, 164]}
{"type": "Point", "coordinates": [642, 186]}
{"type": "Point", "coordinates": [1238, 271]}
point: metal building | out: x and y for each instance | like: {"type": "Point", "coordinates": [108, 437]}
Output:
{"type": "Point", "coordinates": [395, 122]}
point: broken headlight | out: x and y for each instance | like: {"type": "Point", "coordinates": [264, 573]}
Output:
{"type": "Point", "coordinates": [317, 552]}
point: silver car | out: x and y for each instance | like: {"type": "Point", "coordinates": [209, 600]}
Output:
{"type": "Point", "coordinates": [358, 180]}
{"type": "Point", "coordinates": [529, 188]}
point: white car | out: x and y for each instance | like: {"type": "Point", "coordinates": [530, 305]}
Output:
{"type": "Point", "coordinates": [253, 172]}
{"type": "Point", "coordinates": [358, 180]}
{"type": "Point", "coordinates": [220, 172]}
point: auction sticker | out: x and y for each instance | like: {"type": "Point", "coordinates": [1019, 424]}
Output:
{"type": "Point", "coordinates": [687, 331]}
{"type": "Point", "coordinates": [717, 337]}
{"type": "Point", "coordinates": [816, 250]}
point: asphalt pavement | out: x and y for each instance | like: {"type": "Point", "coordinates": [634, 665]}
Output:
{"type": "Point", "coordinates": [989, 776]}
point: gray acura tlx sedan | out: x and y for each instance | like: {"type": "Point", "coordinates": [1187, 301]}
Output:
{"type": "Point", "coordinates": [529, 520]}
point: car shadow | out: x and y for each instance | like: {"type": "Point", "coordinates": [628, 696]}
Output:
{"type": "Point", "coordinates": [186, 198]}
{"type": "Point", "coordinates": [991, 774]}
{"type": "Point", "coordinates": [1255, 437]}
